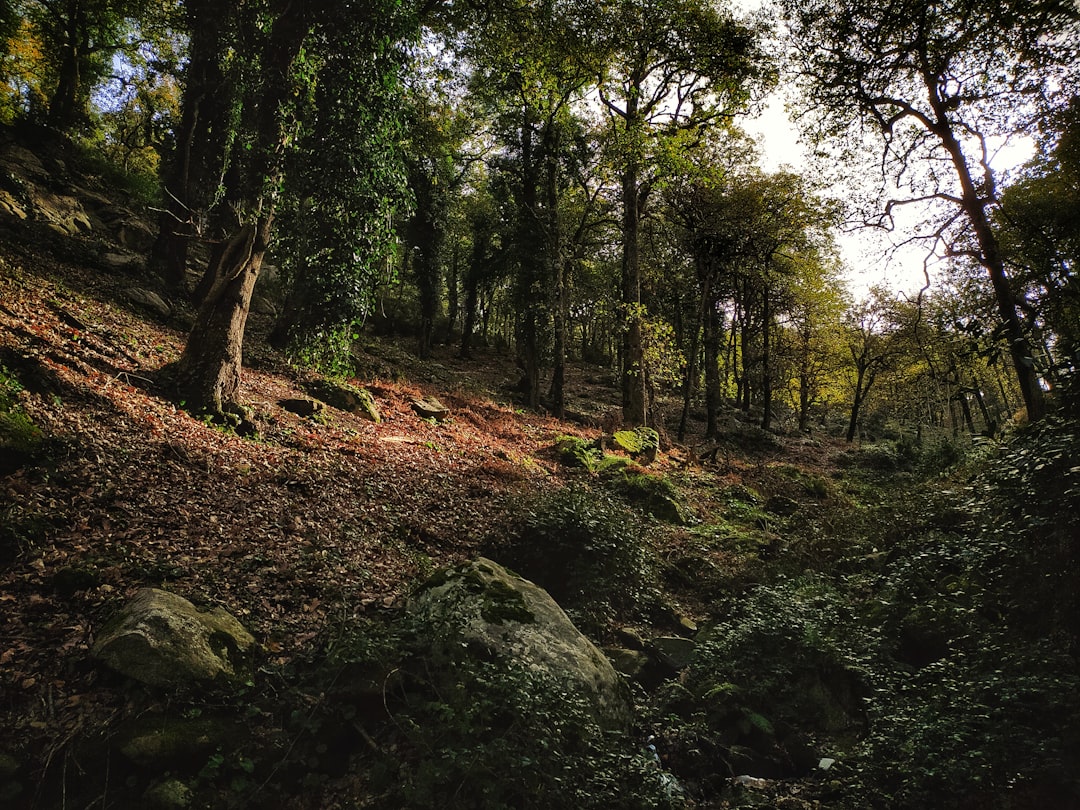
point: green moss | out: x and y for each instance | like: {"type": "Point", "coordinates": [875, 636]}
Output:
{"type": "Point", "coordinates": [18, 434]}
{"type": "Point", "coordinates": [656, 495]}
{"type": "Point", "coordinates": [575, 452]}
{"type": "Point", "coordinates": [502, 603]}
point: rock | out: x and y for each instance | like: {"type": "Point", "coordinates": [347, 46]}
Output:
{"type": "Point", "coordinates": [172, 794]}
{"type": "Point", "coordinates": [345, 397]}
{"type": "Point", "coordinates": [688, 625]}
{"type": "Point", "coordinates": [484, 611]}
{"type": "Point", "coordinates": [641, 443]}
{"type": "Point", "coordinates": [631, 663]}
{"type": "Point", "coordinates": [430, 408]}
{"type": "Point", "coordinates": [262, 305]}
{"type": "Point", "coordinates": [60, 211]}
{"type": "Point", "coordinates": [303, 407]}
{"type": "Point", "coordinates": [150, 300]}
{"type": "Point", "coordinates": [9, 206]}
{"type": "Point", "coordinates": [163, 744]}
{"type": "Point", "coordinates": [124, 263]}
{"type": "Point", "coordinates": [630, 638]}
{"type": "Point", "coordinates": [134, 235]}
{"type": "Point", "coordinates": [161, 639]}
{"type": "Point", "coordinates": [674, 652]}
{"type": "Point", "coordinates": [22, 162]}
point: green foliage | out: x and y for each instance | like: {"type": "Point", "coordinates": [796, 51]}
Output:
{"type": "Point", "coordinates": [774, 642]}
{"type": "Point", "coordinates": [585, 548]}
{"type": "Point", "coordinates": [657, 495]}
{"type": "Point", "coordinates": [345, 183]}
{"type": "Point", "coordinates": [980, 690]}
{"type": "Point", "coordinates": [505, 736]}
{"type": "Point", "coordinates": [9, 389]}
{"type": "Point", "coordinates": [575, 452]}
{"type": "Point", "coordinates": [18, 434]}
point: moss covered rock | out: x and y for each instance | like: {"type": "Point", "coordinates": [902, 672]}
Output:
{"type": "Point", "coordinates": [161, 639]}
{"type": "Point", "coordinates": [499, 617]}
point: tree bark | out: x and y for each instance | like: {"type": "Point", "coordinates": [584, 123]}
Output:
{"type": "Point", "coordinates": [766, 375]}
{"type": "Point", "coordinates": [975, 205]}
{"type": "Point", "coordinates": [207, 375]}
{"type": "Point", "coordinates": [198, 160]}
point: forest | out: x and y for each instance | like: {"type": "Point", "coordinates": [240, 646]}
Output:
{"type": "Point", "coordinates": [420, 403]}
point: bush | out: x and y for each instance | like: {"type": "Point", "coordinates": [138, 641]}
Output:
{"type": "Point", "coordinates": [982, 701]}
{"type": "Point", "coordinates": [585, 548]}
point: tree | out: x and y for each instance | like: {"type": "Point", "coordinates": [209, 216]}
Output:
{"type": "Point", "coordinates": [869, 337]}
{"type": "Point", "coordinates": [532, 64]}
{"type": "Point", "coordinates": [938, 82]}
{"type": "Point", "coordinates": [281, 60]}
{"type": "Point", "coordinates": [679, 67]}
{"type": "Point", "coordinates": [1040, 234]}
{"type": "Point", "coordinates": [345, 182]}
{"type": "Point", "coordinates": [203, 138]}
{"type": "Point", "coordinates": [79, 38]}
{"type": "Point", "coordinates": [814, 320]}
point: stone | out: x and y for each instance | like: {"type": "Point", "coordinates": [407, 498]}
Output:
{"type": "Point", "coordinates": [346, 397]}
{"type": "Point", "coordinates": [303, 407]}
{"type": "Point", "coordinates": [124, 263]}
{"type": "Point", "coordinates": [150, 300]}
{"type": "Point", "coordinates": [430, 408]}
{"type": "Point", "coordinates": [162, 744]}
{"type": "Point", "coordinates": [484, 611]}
{"type": "Point", "coordinates": [642, 443]}
{"type": "Point", "coordinates": [674, 652]}
{"type": "Point", "coordinates": [630, 638]}
{"type": "Point", "coordinates": [9, 206]}
{"type": "Point", "coordinates": [161, 639]}
{"type": "Point", "coordinates": [631, 663]}
{"type": "Point", "coordinates": [171, 794]}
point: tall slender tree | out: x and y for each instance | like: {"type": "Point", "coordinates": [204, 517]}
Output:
{"type": "Point", "coordinates": [678, 68]}
{"type": "Point", "coordinates": [939, 83]}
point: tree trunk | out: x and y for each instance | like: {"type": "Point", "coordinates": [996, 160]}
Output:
{"type": "Point", "coordinates": [804, 381]}
{"type": "Point", "coordinates": [713, 329]}
{"type": "Point", "coordinates": [556, 271]}
{"type": "Point", "coordinates": [207, 376]}
{"type": "Point", "coordinates": [202, 136]}
{"type": "Point", "coordinates": [64, 103]}
{"type": "Point", "coordinates": [766, 375]}
{"type": "Point", "coordinates": [856, 405]}
{"type": "Point", "coordinates": [974, 205]}
{"type": "Point", "coordinates": [633, 362]}
{"type": "Point", "coordinates": [692, 356]}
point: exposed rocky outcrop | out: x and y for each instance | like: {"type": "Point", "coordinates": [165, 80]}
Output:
{"type": "Point", "coordinates": [497, 615]}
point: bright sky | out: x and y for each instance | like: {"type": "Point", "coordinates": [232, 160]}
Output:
{"type": "Point", "coordinates": [863, 251]}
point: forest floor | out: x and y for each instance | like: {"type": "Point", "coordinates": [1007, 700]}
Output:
{"type": "Point", "coordinates": [308, 525]}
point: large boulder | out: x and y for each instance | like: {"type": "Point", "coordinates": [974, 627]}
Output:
{"type": "Point", "coordinates": [497, 616]}
{"type": "Point", "coordinates": [161, 639]}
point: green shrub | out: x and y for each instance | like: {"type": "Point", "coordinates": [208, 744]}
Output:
{"type": "Point", "coordinates": [983, 697]}
{"type": "Point", "coordinates": [655, 494]}
{"type": "Point", "coordinates": [585, 548]}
